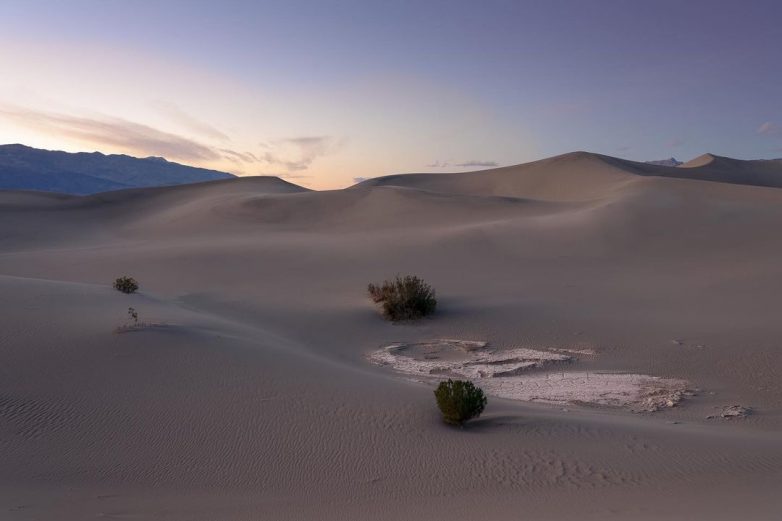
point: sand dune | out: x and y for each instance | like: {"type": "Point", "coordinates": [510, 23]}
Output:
{"type": "Point", "coordinates": [727, 170]}
{"type": "Point", "coordinates": [584, 175]}
{"type": "Point", "coordinates": [571, 177]}
{"type": "Point", "coordinates": [251, 396]}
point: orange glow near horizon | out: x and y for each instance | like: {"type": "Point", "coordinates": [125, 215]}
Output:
{"type": "Point", "coordinates": [149, 107]}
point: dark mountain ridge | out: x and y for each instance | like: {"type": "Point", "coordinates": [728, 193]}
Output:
{"type": "Point", "coordinates": [27, 168]}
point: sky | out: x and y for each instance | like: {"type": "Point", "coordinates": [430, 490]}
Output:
{"type": "Point", "coordinates": [326, 93]}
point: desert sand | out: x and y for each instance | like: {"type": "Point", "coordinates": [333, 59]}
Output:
{"type": "Point", "coordinates": [251, 394]}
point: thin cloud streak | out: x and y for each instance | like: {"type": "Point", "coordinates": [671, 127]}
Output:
{"type": "Point", "coordinates": [111, 131]}
{"type": "Point", "coordinates": [438, 164]}
{"type": "Point", "coordinates": [472, 163]}
{"type": "Point", "coordinates": [233, 155]}
{"type": "Point", "coordinates": [290, 155]}
{"type": "Point", "coordinates": [769, 129]}
{"type": "Point", "coordinates": [476, 163]}
{"type": "Point", "coordinates": [185, 120]}
{"type": "Point", "coordinates": [298, 153]}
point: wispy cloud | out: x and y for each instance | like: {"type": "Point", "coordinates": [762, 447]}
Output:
{"type": "Point", "coordinates": [477, 163]}
{"type": "Point", "coordinates": [285, 156]}
{"type": "Point", "coordinates": [675, 142]}
{"type": "Point", "coordinates": [769, 129]}
{"type": "Point", "coordinates": [237, 157]}
{"type": "Point", "coordinates": [186, 121]}
{"type": "Point", "coordinates": [357, 180]}
{"type": "Point", "coordinates": [471, 163]}
{"type": "Point", "coordinates": [439, 164]}
{"type": "Point", "coordinates": [111, 131]}
{"type": "Point", "coordinates": [298, 153]}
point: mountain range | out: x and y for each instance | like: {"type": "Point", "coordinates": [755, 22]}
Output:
{"type": "Point", "coordinates": [671, 161]}
{"type": "Point", "coordinates": [82, 173]}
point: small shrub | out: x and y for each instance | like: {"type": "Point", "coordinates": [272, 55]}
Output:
{"type": "Point", "coordinates": [459, 401]}
{"type": "Point", "coordinates": [404, 298]}
{"type": "Point", "coordinates": [134, 323]}
{"type": "Point", "coordinates": [126, 285]}
{"type": "Point", "coordinates": [376, 293]}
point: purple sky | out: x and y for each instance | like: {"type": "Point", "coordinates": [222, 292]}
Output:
{"type": "Point", "coordinates": [322, 92]}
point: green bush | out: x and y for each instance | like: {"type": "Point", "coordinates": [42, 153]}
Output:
{"type": "Point", "coordinates": [404, 298]}
{"type": "Point", "coordinates": [126, 285]}
{"type": "Point", "coordinates": [459, 401]}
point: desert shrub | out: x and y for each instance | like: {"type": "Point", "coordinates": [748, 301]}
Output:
{"type": "Point", "coordinates": [134, 323]}
{"type": "Point", "coordinates": [126, 285]}
{"type": "Point", "coordinates": [404, 298]}
{"type": "Point", "coordinates": [376, 293]}
{"type": "Point", "coordinates": [459, 401]}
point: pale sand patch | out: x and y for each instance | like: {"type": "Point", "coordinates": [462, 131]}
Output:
{"type": "Point", "coordinates": [448, 357]}
{"type": "Point", "coordinates": [583, 352]}
{"type": "Point", "coordinates": [731, 411]}
{"type": "Point", "coordinates": [641, 393]}
{"type": "Point", "coordinates": [509, 374]}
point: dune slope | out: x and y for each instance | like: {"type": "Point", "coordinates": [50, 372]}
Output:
{"type": "Point", "coordinates": [584, 176]}
{"type": "Point", "coordinates": [247, 394]}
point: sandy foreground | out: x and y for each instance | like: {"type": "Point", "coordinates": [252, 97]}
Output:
{"type": "Point", "coordinates": [250, 394]}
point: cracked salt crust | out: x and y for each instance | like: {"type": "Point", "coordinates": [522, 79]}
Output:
{"type": "Point", "coordinates": [524, 374]}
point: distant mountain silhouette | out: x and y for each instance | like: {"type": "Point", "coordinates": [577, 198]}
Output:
{"type": "Point", "coordinates": [27, 168]}
{"type": "Point", "coordinates": [671, 161]}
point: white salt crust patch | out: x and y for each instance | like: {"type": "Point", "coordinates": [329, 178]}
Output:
{"type": "Point", "coordinates": [529, 374]}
